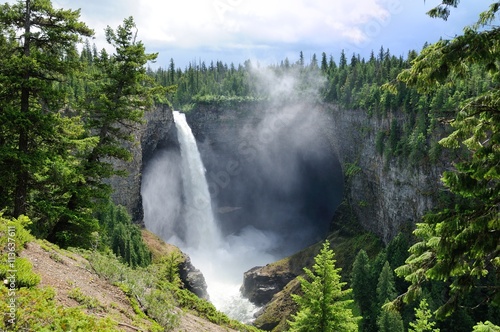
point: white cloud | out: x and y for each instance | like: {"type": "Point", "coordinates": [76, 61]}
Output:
{"type": "Point", "coordinates": [201, 23]}
{"type": "Point", "coordinates": [235, 30]}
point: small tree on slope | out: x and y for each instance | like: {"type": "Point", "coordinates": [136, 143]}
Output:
{"type": "Point", "coordinates": [324, 305]}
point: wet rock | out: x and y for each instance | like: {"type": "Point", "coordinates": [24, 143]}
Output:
{"type": "Point", "coordinates": [260, 284]}
{"type": "Point", "coordinates": [192, 278]}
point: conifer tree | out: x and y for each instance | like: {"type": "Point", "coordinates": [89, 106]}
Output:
{"type": "Point", "coordinates": [363, 291]}
{"type": "Point", "coordinates": [423, 317]}
{"type": "Point", "coordinates": [459, 244]}
{"type": "Point", "coordinates": [390, 321]}
{"type": "Point", "coordinates": [324, 305]}
{"type": "Point", "coordinates": [39, 144]}
{"type": "Point", "coordinates": [118, 94]}
{"type": "Point", "coordinates": [386, 290]}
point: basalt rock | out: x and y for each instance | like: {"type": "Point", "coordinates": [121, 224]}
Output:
{"type": "Point", "coordinates": [192, 278]}
{"type": "Point", "coordinates": [384, 196]}
{"type": "Point", "coordinates": [260, 284]}
{"type": "Point", "coordinates": [156, 130]}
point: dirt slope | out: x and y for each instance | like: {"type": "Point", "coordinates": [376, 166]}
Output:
{"type": "Point", "coordinates": [67, 272]}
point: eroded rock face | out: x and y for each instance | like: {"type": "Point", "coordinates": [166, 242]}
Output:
{"type": "Point", "coordinates": [156, 130]}
{"type": "Point", "coordinates": [192, 278]}
{"type": "Point", "coordinates": [384, 196]}
{"type": "Point", "coordinates": [260, 284]}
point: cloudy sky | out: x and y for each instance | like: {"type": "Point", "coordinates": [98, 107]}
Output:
{"type": "Point", "coordinates": [270, 30]}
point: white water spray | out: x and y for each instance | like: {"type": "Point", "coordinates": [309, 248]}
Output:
{"type": "Point", "coordinates": [221, 260]}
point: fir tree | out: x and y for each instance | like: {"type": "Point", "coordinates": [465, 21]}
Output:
{"type": "Point", "coordinates": [386, 290]}
{"type": "Point", "coordinates": [459, 244]}
{"type": "Point", "coordinates": [324, 305]}
{"type": "Point", "coordinates": [423, 317]}
{"type": "Point", "coordinates": [362, 288]}
{"type": "Point", "coordinates": [390, 321]}
{"type": "Point", "coordinates": [119, 94]}
{"type": "Point", "coordinates": [40, 144]}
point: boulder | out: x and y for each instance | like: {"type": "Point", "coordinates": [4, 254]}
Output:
{"type": "Point", "coordinates": [260, 284]}
{"type": "Point", "coordinates": [192, 278]}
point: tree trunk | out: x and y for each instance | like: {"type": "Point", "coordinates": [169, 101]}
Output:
{"type": "Point", "coordinates": [21, 192]}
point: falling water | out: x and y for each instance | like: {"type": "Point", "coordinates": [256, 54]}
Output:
{"type": "Point", "coordinates": [202, 231]}
{"type": "Point", "coordinates": [218, 258]}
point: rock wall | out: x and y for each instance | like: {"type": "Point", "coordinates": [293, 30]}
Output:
{"type": "Point", "coordinates": [384, 196]}
{"type": "Point", "coordinates": [156, 130]}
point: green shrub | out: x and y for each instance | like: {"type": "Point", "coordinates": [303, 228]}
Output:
{"type": "Point", "coordinates": [159, 305]}
{"type": "Point", "coordinates": [36, 310]}
{"type": "Point", "coordinates": [87, 301]}
{"type": "Point", "coordinates": [17, 272]}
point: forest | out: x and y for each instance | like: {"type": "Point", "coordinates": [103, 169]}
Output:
{"type": "Point", "coordinates": [66, 110]}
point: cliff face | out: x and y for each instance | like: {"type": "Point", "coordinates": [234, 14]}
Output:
{"type": "Point", "coordinates": [155, 131]}
{"type": "Point", "coordinates": [384, 196]}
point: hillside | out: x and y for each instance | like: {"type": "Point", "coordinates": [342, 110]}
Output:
{"type": "Point", "coordinates": [61, 290]}
{"type": "Point", "coordinates": [70, 274]}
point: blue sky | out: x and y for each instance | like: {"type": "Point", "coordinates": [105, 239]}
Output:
{"type": "Point", "coordinates": [268, 31]}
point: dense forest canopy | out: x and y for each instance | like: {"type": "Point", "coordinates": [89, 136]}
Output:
{"type": "Point", "coordinates": [66, 109]}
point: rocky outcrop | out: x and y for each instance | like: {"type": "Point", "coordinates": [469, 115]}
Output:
{"type": "Point", "coordinates": [192, 278]}
{"type": "Point", "coordinates": [155, 131]}
{"type": "Point", "coordinates": [260, 285]}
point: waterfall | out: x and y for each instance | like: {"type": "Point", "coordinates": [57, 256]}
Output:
{"type": "Point", "coordinates": [201, 229]}
{"type": "Point", "coordinates": [181, 213]}
{"type": "Point", "coordinates": [203, 241]}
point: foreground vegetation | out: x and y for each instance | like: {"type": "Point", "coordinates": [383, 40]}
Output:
{"type": "Point", "coordinates": [156, 290]}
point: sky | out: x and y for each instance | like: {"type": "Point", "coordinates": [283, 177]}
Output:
{"type": "Point", "coordinates": [267, 31]}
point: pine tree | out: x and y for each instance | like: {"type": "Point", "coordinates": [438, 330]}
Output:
{"type": "Point", "coordinates": [386, 290]}
{"type": "Point", "coordinates": [324, 63]}
{"type": "Point", "coordinates": [423, 316]}
{"type": "Point", "coordinates": [122, 236]}
{"type": "Point", "coordinates": [459, 244]}
{"type": "Point", "coordinates": [301, 59]}
{"type": "Point", "coordinates": [343, 60]}
{"type": "Point", "coordinates": [324, 305]}
{"type": "Point", "coordinates": [39, 144]}
{"type": "Point", "coordinates": [119, 93]}
{"type": "Point", "coordinates": [363, 291]}
{"type": "Point", "coordinates": [390, 321]}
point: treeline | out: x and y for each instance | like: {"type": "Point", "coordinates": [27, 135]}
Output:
{"type": "Point", "coordinates": [64, 116]}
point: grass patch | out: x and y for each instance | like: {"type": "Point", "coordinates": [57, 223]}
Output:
{"type": "Point", "coordinates": [37, 310]}
{"type": "Point", "coordinates": [84, 300]}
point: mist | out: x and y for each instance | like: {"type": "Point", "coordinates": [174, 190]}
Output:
{"type": "Point", "coordinates": [273, 181]}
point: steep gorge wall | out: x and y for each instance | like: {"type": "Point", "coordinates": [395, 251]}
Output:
{"type": "Point", "coordinates": [157, 129]}
{"type": "Point", "coordinates": [384, 196]}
